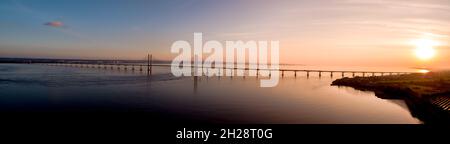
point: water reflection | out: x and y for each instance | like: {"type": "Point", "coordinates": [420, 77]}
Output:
{"type": "Point", "coordinates": [400, 103]}
{"type": "Point", "coordinates": [216, 99]}
{"type": "Point", "coordinates": [299, 99]}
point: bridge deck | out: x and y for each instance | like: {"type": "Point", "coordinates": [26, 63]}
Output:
{"type": "Point", "coordinates": [125, 65]}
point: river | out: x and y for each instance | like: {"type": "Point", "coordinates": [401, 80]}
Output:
{"type": "Point", "coordinates": [297, 100]}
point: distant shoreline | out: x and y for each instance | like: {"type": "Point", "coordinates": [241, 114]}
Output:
{"type": "Point", "coordinates": [50, 60]}
{"type": "Point", "coordinates": [427, 95]}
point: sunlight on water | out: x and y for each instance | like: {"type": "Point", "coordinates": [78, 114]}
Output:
{"type": "Point", "coordinates": [423, 71]}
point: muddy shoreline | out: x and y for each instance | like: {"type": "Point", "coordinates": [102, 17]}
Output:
{"type": "Point", "coordinates": [419, 91]}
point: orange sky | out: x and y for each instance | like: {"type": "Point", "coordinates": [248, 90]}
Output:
{"type": "Point", "coordinates": [323, 32]}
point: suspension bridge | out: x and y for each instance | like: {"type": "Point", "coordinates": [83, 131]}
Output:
{"type": "Point", "coordinates": [149, 64]}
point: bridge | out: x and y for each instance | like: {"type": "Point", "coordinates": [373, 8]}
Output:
{"type": "Point", "coordinates": [149, 65]}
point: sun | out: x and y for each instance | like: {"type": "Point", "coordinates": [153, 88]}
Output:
{"type": "Point", "coordinates": [424, 49]}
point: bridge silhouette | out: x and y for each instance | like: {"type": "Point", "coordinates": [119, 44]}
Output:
{"type": "Point", "coordinates": [148, 68]}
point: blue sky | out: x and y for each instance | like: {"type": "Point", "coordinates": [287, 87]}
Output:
{"type": "Point", "coordinates": [310, 32]}
{"type": "Point", "coordinates": [106, 24]}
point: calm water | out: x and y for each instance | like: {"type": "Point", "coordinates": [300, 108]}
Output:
{"type": "Point", "coordinates": [42, 88]}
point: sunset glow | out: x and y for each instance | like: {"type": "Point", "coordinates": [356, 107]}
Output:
{"type": "Point", "coordinates": [320, 33]}
{"type": "Point", "coordinates": [424, 71]}
{"type": "Point", "coordinates": [425, 49]}
{"type": "Point", "coordinates": [176, 63]}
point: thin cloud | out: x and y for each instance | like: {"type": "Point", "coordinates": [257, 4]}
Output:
{"type": "Point", "coordinates": [411, 4]}
{"type": "Point", "coordinates": [56, 24]}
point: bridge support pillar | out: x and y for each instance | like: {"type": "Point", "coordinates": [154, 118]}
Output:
{"type": "Point", "coordinates": [150, 64]}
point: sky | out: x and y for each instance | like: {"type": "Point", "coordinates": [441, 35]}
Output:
{"type": "Point", "coordinates": [314, 32]}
